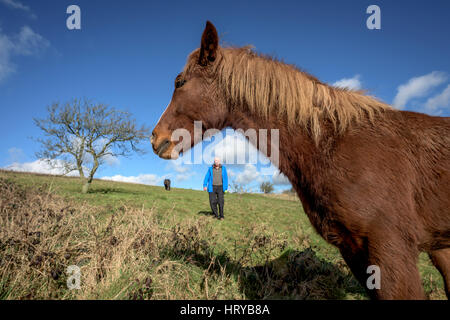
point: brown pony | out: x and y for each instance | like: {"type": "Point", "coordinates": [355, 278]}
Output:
{"type": "Point", "coordinates": [374, 181]}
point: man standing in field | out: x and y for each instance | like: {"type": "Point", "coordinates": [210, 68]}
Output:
{"type": "Point", "coordinates": [216, 183]}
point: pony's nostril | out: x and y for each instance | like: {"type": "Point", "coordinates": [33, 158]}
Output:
{"type": "Point", "coordinates": [153, 138]}
{"type": "Point", "coordinates": [163, 146]}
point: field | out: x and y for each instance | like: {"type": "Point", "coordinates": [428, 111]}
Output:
{"type": "Point", "coordinates": [134, 241]}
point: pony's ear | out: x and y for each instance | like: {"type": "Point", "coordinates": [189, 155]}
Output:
{"type": "Point", "coordinates": [209, 45]}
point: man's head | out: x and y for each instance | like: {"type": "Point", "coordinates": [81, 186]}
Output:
{"type": "Point", "coordinates": [216, 161]}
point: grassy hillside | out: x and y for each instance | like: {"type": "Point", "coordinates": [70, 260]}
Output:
{"type": "Point", "coordinates": [135, 241]}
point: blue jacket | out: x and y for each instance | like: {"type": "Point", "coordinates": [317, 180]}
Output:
{"type": "Point", "coordinates": [207, 182]}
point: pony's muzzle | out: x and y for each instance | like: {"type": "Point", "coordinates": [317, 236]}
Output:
{"type": "Point", "coordinates": [160, 144]}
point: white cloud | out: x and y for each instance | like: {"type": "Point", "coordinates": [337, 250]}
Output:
{"type": "Point", "coordinates": [249, 175]}
{"type": "Point", "coordinates": [417, 87]}
{"type": "Point", "coordinates": [55, 167]}
{"type": "Point", "coordinates": [15, 4]}
{"type": "Point", "coordinates": [182, 172]}
{"type": "Point", "coordinates": [25, 43]}
{"type": "Point", "coordinates": [15, 154]}
{"type": "Point", "coordinates": [6, 48]}
{"type": "Point", "coordinates": [252, 176]}
{"type": "Point", "coordinates": [280, 179]}
{"type": "Point", "coordinates": [184, 176]}
{"type": "Point", "coordinates": [111, 160]}
{"type": "Point", "coordinates": [181, 169]}
{"type": "Point", "coordinates": [349, 83]}
{"type": "Point", "coordinates": [436, 104]}
{"type": "Point", "coordinates": [149, 179]}
{"type": "Point", "coordinates": [177, 165]}
{"type": "Point", "coordinates": [28, 42]}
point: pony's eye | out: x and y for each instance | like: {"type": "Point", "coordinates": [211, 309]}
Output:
{"type": "Point", "coordinates": [179, 83]}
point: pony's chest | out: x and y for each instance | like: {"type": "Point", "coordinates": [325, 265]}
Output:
{"type": "Point", "coordinates": [322, 219]}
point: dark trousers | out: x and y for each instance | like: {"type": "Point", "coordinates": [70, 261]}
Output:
{"type": "Point", "coordinates": [216, 198]}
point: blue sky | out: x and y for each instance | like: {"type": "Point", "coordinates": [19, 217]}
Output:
{"type": "Point", "coordinates": [128, 53]}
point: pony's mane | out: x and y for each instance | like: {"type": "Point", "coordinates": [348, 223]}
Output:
{"type": "Point", "coordinates": [266, 86]}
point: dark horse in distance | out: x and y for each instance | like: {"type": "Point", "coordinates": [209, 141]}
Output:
{"type": "Point", "coordinates": [374, 181]}
{"type": "Point", "coordinates": [167, 184]}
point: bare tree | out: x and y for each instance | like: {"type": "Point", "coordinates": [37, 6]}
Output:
{"type": "Point", "coordinates": [84, 135]}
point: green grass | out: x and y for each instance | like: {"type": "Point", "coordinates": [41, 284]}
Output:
{"type": "Point", "coordinates": [301, 263]}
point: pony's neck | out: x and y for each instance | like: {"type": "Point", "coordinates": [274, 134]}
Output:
{"type": "Point", "coordinates": [265, 86]}
{"type": "Point", "coordinates": [298, 152]}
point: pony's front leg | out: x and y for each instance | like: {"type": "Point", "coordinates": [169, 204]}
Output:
{"type": "Point", "coordinates": [399, 276]}
{"type": "Point", "coordinates": [397, 262]}
{"type": "Point", "coordinates": [357, 260]}
{"type": "Point", "coordinates": [441, 260]}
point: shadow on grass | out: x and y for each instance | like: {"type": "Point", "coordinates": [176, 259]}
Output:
{"type": "Point", "coordinates": [106, 190]}
{"type": "Point", "coordinates": [300, 275]}
{"type": "Point", "coordinates": [206, 213]}
{"type": "Point", "coordinates": [109, 190]}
